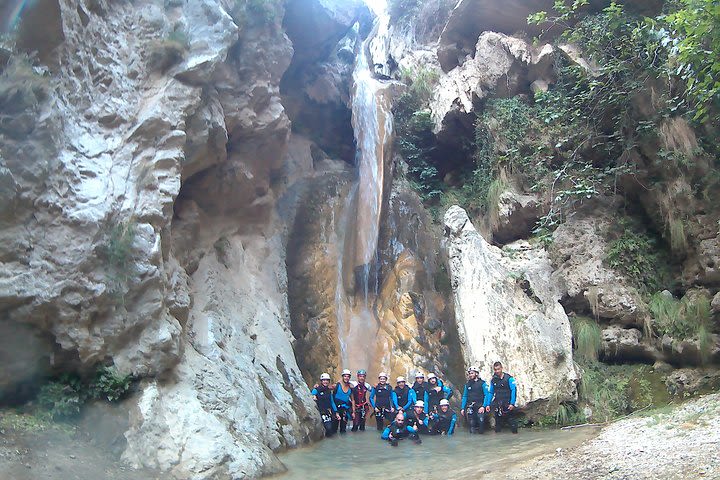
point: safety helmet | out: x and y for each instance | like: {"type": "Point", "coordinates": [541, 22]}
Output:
{"type": "Point", "coordinates": [383, 374]}
{"type": "Point", "coordinates": [473, 369]}
{"type": "Point", "coordinates": [400, 379]}
{"type": "Point", "coordinates": [419, 375]}
{"type": "Point", "coordinates": [431, 375]}
{"type": "Point", "coordinates": [362, 372]}
{"type": "Point", "coordinates": [420, 403]}
{"type": "Point", "coordinates": [444, 402]}
{"type": "Point", "coordinates": [325, 376]}
{"type": "Point", "coordinates": [346, 372]}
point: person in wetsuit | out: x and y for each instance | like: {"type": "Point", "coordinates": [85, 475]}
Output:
{"type": "Point", "coordinates": [443, 422]}
{"type": "Point", "coordinates": [417, 418]}
{"type": "Point", "coordinates": [343, 401]}
{"type": "Point", "coordinates": [325, 401]}
{"type": "Point", "coordinates": [400, 430]}
{"type": "Point", "coordinates": [502, 394]}
{"type": "Point", "coordinates": [435, 392]}
{"type": "Point", "coordinates": [476, 396]}
{"type": "Point", "coordinates": [405, 395]}
{"type": "Point", "coordinates": [419, 387]}
{"type": "Point", "coordinates": [360, 402]}
{"type": "Point", "coordinates": [383, 400]}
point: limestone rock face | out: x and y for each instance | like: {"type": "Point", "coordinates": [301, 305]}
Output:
{"type": "Point", "coordinates": [416, 316]}
{"type": "Point", "coordinates": [470, 18]}
{"type": "Point", "coordinates": [627, 345]}
{"type": "Point", "coordinates": [147, 192]}
{"type": "Point", "coordinates": [578, 251]}
{"type": "Point", "coordinates": [499, 64]}
{"type": "Point", "coordinates": [507, 309]}
{"type": "Point", "coordinates": [225, 409]}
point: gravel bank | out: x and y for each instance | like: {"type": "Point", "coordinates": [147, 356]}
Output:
{"type": "Point", "coordinates": [678, 443]}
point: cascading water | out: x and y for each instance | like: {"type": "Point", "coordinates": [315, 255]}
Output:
{"type": "Point", "coordinates": [357, 278]}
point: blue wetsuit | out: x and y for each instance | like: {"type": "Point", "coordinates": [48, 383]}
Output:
{"type": "Point", "coordinates": [503, 393]}
{"type": "Point", "coordinates": [399, 432]}
{"type": "Point", "coordinates": [344, 405]}
{"type": "Point", "coordinates": [405, 397]}
{"type": "Point", "coordinates": [433, 397]}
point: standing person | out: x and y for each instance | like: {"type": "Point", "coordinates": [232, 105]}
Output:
{"type": "Point", "coordinates": [476, 396]}
{"type": "Point", "coordinates": [383, 400]}
{"type": "Point", "coordinates": [405, 395]}
{"type": "Point", "coordinates": [325, 402]}
{"type": "Point", "coordinates": [417, 418]}
{"type": "Point", "coordinates": [443, 422]}
{"type": "Point", "coordinates": [343, 401]}
{"type": "Point", "coordinates": [419, 387]}
{"type": "Point", "coordinates": [399, 430]}
{"type": "Point", "coordinates": [360, 402]}
{"type": "Point", "coordinates": [502, 394]}
{"type": "Point", "coordinates": [434, 393]}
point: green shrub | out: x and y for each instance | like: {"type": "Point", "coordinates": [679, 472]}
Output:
{"type": "Point", "coordinates": [686, 319]}
{"type": "Point", "coordinates": [637, 255]}
{"type": "Point", "coordinates": [612, 391]}
{"type": "Point", "coordinates": [63, 398]}
{"type": "Point", "coordinates": [110, 384]}
{"type": "Point", "coordinates": [587, 337]}
{"type": "Point", "coordinates": [414, 132]}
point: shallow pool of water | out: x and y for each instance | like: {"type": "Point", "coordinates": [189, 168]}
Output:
{"type": "Point", "coordinates": [461, 456]}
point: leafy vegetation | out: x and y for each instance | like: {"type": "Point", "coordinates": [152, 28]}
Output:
{"type": "Point", "coordinates": [414, 131]}
{"type": "Point", "coordinates": [64, 397]}
{"type": "Point", "coordinates": [587, 337]}
{"type": "Point", "coordinates": [686, 319]}
{"type": "Point", "coordinates": [637, 254]}
{"type": "Point", "coordinates": [691, 32]}
{"type": "Point", "coordinates": [118, 252]}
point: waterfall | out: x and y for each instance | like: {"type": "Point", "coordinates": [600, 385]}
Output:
{"type": "Point", "coordinates": [357, 278]}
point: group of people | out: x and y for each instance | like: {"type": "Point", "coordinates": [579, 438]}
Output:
{"type": "Point", "coordinates": [408, 411]}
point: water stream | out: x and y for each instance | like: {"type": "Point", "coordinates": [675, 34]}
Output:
{"type": "Point", "coordinates": [461, 456]}
{"type": "Point", "coordinates": [357, 278]}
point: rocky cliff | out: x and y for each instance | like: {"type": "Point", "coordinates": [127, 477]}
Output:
{"type": "Point", "coordinates": [149, 184]}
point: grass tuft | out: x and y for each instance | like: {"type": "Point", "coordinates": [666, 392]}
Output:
{"type": "Point", "coordinates": [588, 338]}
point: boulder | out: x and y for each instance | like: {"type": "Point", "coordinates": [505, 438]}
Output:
{"type": "Point", "coordinates": [689, 381]}
{"type": "Point", "coordinates": [517, 216]}
{"type": "Point", "coordinates": [509, 311]}
{"type": "Point", "coordinates": [578, 252]}
{"type": "Point", "coordinates": [715, 304]}
{"type": "Point", "coordinates": [626, 345]}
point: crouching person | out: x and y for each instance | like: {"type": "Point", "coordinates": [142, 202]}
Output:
{"type": "Point", "coordinates": [443, 422]}
{"type": "Point", "coordinates": [400, 430]}
{"type": "Point", "coordinates": [418, 419]}
{"type": "Point", "coordinates": [325, 401]}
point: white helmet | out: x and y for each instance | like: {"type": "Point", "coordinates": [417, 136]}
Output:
{"type": "Point", "coordinates": [346, 372]}
{"type": "Point", "coordinates": [383, 374]}
{"type": "Point", "coordinates": [474, 369]}
{"type": "Point", "coordinates": [420, 403]}
{"type": "Point", "coordinates": [431, 375]}
{"type": "Point", "coordinates": [419, 375]}
{"type": "Point", "coordinates": [444, 402]}
{"type": "Point", "coordinates": [325, 376]}
{"type": "Point", "coordinates": [400, 379]}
